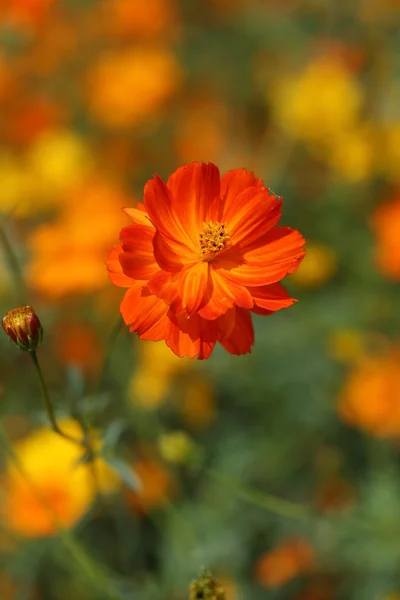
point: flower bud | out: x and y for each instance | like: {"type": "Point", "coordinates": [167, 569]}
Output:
{"type": "Point", "coordinates": [23, 327]}
{"type": "Point", "coordinates": [207, 588]}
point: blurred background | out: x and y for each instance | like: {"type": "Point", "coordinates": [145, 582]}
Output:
{"type": "Point", "coordinates": [279, 470]}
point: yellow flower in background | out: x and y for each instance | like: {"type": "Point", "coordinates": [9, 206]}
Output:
{"type": "Point", "coordinates": [318, 266]}
{"type": "Point", "coordinates": [17, 187]}
{"type": "Point", "coordinates": [197, 403]}
{"type": "Point", "coordinates": [320, 101]}
{"type": "Point", "coordinates": [56, 487]}
{"type": "Point", "coordinates": [58, 161]}
{"type": "Point", "coordinates": [37, 180]}
{"type": "Point", "coordinates": [158, 357]}
{"type": "Point", "coordinates": [346, 345]}
{"type": "Point", "coordinates": [128, 86]}
{"type": "Point", "coordinates": [176, 447]}
{"type": "Point", "coordinates": [157, 367]}
{"type": "Point", "coordinates": [352, 154]}
{"type": "Point", "coordinates": [148, 390]}
{"type": "Point", "coordinates": [370, 399]}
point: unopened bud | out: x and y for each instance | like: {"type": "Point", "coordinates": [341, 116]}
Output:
{"type": "Point", "coordinates": [23, 327]}
{"type": "Point", "coordinates": [206, 587]}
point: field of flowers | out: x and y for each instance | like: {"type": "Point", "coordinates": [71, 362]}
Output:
{"type": "Point", "coordinates": [269, 468]}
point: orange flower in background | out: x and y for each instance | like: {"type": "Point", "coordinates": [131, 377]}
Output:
{"type": "Point", "coordinates": [126, 87]}
{"type": "Point", "coordinates": [289, 560]}
{"type": "Point", "coordinates": [77, 344]}
{"type": "Point", "coordinates": [202, 130]}
{"type": "Point", "coordinates": [371, 396]}
{"type": "Point", "coordinates": [156, 486]}
{"type": "Point", "coordinates": [335, 494]}
{"type": "Point", "coordinates": [385, 224]}
{"type": "Point", "coordinates": [7, 588]}
{"type": "Point", "coordinates": [136, 18]}
{"type": "Point", "coordinates": [25, 14]}
{"type": "Point", "coordinates": [203, 251]}
{"type": "Point", "coordinates": [68, 255]}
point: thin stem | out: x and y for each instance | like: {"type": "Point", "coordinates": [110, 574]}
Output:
{"type": "Point", "coordinates": [13, 262]}
{"type": "Point", "coordinates": [87, 443]}
{"type": "Point", "coordinates": [112, 338]}
{"type": "Point", "coordinates": [48, 405]}
{"type": "Point", "coordinates": [292, 510]}
{"type": "Point", "coordinates": [278, 506]}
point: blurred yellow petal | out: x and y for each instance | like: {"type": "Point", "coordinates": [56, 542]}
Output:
{"type": "Point", "coordinates": [56, 487]}
{"type": "Point", "coordinates": [317, 268]}
{"type": "Point", "coordinates": [321, 100]}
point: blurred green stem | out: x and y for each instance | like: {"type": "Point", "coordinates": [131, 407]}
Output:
{"type": "Point", "coordinates": [12, 261]}
{"type": "Point", "coordinates": [112, 338]}
{"type": "Point", "coordinates": [48, 405]}
{"type": "Point", "coordinates": [278, 506]}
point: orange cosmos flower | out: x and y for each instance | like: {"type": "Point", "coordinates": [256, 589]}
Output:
{"type": "Point", "coordinates": [203, 251]}
{"type": "Point", "coordinates": [385, 225]}
{"type": "Point", "coordinates": [292, 558]}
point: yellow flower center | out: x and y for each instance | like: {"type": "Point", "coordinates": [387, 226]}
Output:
{"type": "Point", "coordinates": [213, 239]}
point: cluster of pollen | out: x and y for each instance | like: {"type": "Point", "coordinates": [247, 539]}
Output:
{"type": "Point", "coordinates": [213, 238]}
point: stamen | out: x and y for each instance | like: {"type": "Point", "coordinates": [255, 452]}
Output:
{"type": "Point", "coordinates": [213, 239]}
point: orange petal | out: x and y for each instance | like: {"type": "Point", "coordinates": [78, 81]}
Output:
{"type": "Point", "coordinates": [253, 214]}
{"type": "Point", "coordinates": [114, 268]}
{"type": "Point", "coordinates": [257, 310]}
{"type": "Point", "coordinates": [241, 338]}
{"type": "Point", "coordinates": [192, 337]}
{"type": "Point", "coordinates": [138, 260]}
{"type": "Point", "coordinates": [165, 217]}
{"type": "Point", "coordinates": [162, 285]}
{"type": "Point", "coordinates": [279, 253]}
{"type": "Point", "coordinates": [194, 286]}
{"type": "Point", "coordinates": [271, 297]}
{"type": "Point", "coordinates": [195, 191]}
{"type": "Point", "coordinates": [138, 215]}
{"type": "Point", "coordinates": [144, 312]}
{"type": "Point", "coordinates": [225, 294]}
{"type": "Point", "coordinates": [171, 255]}
{"type": "Point", "coordinates": [234, 183]}
{"type": "Point", "coordinates": [226, 323]}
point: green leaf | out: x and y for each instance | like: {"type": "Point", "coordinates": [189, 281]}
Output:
{"type": "Point", "coordinates": [125, 471]}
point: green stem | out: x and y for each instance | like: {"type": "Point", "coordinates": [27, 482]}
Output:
{"type": "Point", "coordinates": [112, 338]}
{"type": "Point", "coordinates": [292, 510]}
{"type": "Point", "coordinates": [48, 405]}
{"type": "Point", "coordinates": [13, 262]}
{"type": "Point", "coordinates": [278, 506]}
